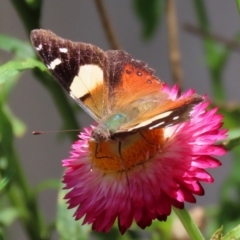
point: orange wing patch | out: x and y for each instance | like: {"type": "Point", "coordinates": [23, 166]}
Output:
{"type": "Point", "coordinates": [136, 83]}
{"type": "Point", "coordinates": [138, 79]}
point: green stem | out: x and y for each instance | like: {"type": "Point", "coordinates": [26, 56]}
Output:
{"type": "Point", "coordinates": [29, 13]}
{"type": "Point", "coordinates": [19, 193]}
{"type": "Point", "coordinates": [189, 225]}
{"type": "Point", "coordinates": [217, 86]}
{"type": "Point", "coordinates": [211, 51]}
{"type": "Point", "coordinates": [28, 211]}
{"type": "Point", "coordinates": [107, 25]}
{"type": "Point", "coordinates": [173, 42]}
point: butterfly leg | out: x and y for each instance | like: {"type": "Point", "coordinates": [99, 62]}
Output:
{"type": "Point", "coordinates": [96, 152]}
{"type": "Point", "coordinates": [122, 161]}
{"type": "Point", "coordinates": [153, 144]}
{"type": "Point", "coordinates": [146, 139]}
{"type": "Point", "coordinates": [95, 155]}
{"type": "Point", "coordinates": [120, 157]}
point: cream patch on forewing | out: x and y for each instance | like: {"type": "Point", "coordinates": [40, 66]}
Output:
{"type": "Point", "coordinates": [63, 50]}
{"type": "Point", "coordinates": [89, 76]}
{"type": "Point", "coordinates": [54, 63]}
{"type": "Point", "coordinates": [149, 121]}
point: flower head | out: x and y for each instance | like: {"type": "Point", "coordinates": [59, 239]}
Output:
{"type": "Point", "coordinates": [154, 171]}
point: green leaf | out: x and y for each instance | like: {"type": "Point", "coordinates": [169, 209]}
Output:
{"type": "Point", "coordinates": [162, 230]}
{"type": "Point", "coordinates": [8, 216]}
{"type": "Point", "coordinates": [67, 227]}
{"type": "Point", "coordinates": [7, 176]}
{"type": "Point", "coordinates": [229, 211]}
{"type": "Point", "coordinates": [12, 68]}
{"type": "Point", "coordinates": [232, 143]}
{"type": "Point", "coordinates": [112, 234]}
{"type": "Point", "coordinates": [20, 48]}
{"type": "Point", "coordinates": [3, 161]}
{"type": "Point", "coordinates": [238, 5]}
{"type": "Point", "coordinates": [1, 236]}
{"type": "Point", "coordinates": [233, 234]}
{"type": "Point", "coordinates": [34, 4]}
{"type": "Point", "coordinates": [3, 183]}
{"type": "Point", "coordinates": [6, 88]}
{"type": "Point", "coordinates": [19, 128]}
{"type": "Point", "coordinates": [149, 12]}
{"type": "Point", "coordinates": [6, 132]}
{"type": "Point", "coordinates": [217, 235]}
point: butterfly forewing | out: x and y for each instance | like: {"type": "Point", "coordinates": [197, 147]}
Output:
{"type": "Point", "coordinates": [80, 68]}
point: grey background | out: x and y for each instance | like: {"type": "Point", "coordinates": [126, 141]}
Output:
{"type": "Point", "coordinates": [78, 20]}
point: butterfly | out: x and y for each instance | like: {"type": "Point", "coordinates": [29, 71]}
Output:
{"type": "Point", "coordinates": [120, 93]}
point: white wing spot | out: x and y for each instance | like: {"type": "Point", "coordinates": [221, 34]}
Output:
{"type": "Point", "coordinates": [39, 47]}
{"type": "Point", "coordinates": [63, 50]}
{"type": "Point", "coordinates": [176, 117]}
{"type": "Point", "coordinates": [54, 63]}
{"type": "Point", "coordinates": [149, 121]}
{"type": "Point", "coordinates": [157, 125]}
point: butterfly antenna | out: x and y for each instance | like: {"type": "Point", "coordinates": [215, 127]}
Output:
{"type": "Point", "coordinates": [58, 131]}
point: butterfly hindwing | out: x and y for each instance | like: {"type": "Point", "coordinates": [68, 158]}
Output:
{"type": "Point", "coordinates": [158, 113]}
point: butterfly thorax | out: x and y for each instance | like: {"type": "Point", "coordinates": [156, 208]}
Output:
{"type": "Point", "coordinates": [106, 128]}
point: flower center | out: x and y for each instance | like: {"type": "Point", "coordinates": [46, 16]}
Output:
{"type": "Point", "coordinates": [134, 150]}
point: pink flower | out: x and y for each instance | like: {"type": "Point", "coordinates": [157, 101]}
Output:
{"type": "Point", "coordinates": [163, 168]}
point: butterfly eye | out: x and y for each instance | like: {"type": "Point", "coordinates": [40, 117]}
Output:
{"type": "Point", "coordinates": [128, 71]}
{"type": "Point", "coordinates": [139, 73]}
